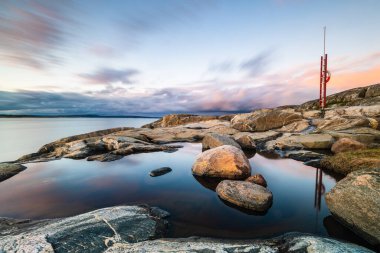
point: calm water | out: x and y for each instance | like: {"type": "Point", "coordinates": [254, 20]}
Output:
{"type": "Point", "coordinates": [67, 187]}
{"type": "Point", "coordinates": [21, 136]}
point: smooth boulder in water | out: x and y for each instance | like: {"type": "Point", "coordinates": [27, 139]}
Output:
{"type": "Point", "coordinates": [245, 194]}
{"type": "Point", "coordinates": [222, 162]}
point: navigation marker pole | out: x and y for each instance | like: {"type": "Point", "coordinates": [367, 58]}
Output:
{"type": "Point", "coordinates": [324, 76]}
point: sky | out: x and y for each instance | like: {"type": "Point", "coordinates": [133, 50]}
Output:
{"type": "Point", "coordinates": [128, 57]}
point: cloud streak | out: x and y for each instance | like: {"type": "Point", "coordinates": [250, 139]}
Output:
{"type": "Point", "coordinates": [32, 32]}
{"type": "Point", "coordinates": [109, 75]}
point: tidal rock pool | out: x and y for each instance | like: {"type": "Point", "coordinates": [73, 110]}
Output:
{"type": "Point", "coordinates": [67, 187]}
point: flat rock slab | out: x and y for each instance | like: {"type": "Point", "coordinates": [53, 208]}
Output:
{"type": "Point", "coordinates": [8, 170]}
{"type": "Point", "coordinates": [89, 232]}
{"type": "Point", "coordinates": [222, 162]}
{"type": "Point", "coordinates": [355, 201]}
{"type": "Point", "coordinates": [160, 171]}
{"type": "Point", "coordinates": [245, 194]}
{"type": "Point", "coordinates": [291, 242]}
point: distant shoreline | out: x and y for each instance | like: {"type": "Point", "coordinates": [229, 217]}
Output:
{"type": "Point", "coordinates": [74, 116]}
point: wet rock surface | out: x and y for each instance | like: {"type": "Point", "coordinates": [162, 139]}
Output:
{"type": "Point", "coordinates": [245, 194]}
{"type": "Point", "coordinates": [89, 232]}
{"type": "Point", "coordinates": [222, 162]}
{"type": "Point", "coordinates": [354, 201]}
{"type": "Point", "coordinates": [8, 170]}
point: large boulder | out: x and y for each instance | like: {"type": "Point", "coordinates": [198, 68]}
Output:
{"type": "Point", "coordinates": [245, 194]}
{"type": "Point", "coordinates": [178, 119]}
{"type": "Point", "coordinates": [8, 170]}
{"type": "Point", "coordinates": [89, 232]}
{"type": "Point", "coordinates": [223, 162]}
{"type": "Point", "coordinates": [215, 140]}
{"type": "Point", "coordinates": [346, 144]}
{"type": "Point", "coordinates": [346, 162]}
{"type": "Point", "coordinates": [264, 120]}
{"type": "Point", "coordinates": [355, 202]}
{"type": "Point", "coordinates": [354, 111]}
{"type": "Point", "coordinates": [362, 134]}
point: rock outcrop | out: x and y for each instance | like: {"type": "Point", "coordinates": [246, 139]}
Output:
{"type": "Point", "coordinates": [178, 119]}
{"type": "Point", "coordinates": [355, 202]}
{"type": "Point", "coordinates": [308, 141]}
{"type": "Point", "coordinates": [346, 162]}
{"type": "Point", "coordinates": [260, 121]}
{"type": "Point", "coordinates": [8, 170]}
{"type": "Point", "coordinates": [216, 140]}
{"type": "Point", "coordinates": [89, 232]}
{"type": "Point", "coordinates": [222, 162]}
{"type": "Point", "coordinates": [352, 97]}
{"type": "Point", "coordinates": [245, 194]}
{"type": "Point", "coordinates": [346, 144]}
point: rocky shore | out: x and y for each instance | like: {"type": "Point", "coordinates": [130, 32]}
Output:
{"type": "Point", "coordinates": [140, 229]}
{"type": "Point", "coordinates": [344, 139]}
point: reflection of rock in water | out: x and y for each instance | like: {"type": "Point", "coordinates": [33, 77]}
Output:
{"type": "Point", "coordinates": [245, 210]}
{"type": "Point", "coordinates": [208, 182]}
{"type": "Point", "coordinates": [337, 230]}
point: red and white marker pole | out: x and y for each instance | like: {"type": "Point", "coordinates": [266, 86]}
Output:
{"type": "Point", "coordinates": [324, 75]}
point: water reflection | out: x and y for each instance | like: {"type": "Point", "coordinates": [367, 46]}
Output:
{"type": "Point", "coordinates": [67, 187]}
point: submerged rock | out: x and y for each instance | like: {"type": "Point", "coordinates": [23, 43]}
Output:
{"type": "Point", "coordinates": [355, 202]}
{"type": "Point", "coordinates": [257, 179]}
{"type": "Point", "coordinates": [245, 194]}
{"type": "Point", "coordinates": [160, 171]}
{"type": "Point", "coordinates": [89, 232]}
{"type": "Point", "coordinates": [346, 144]}
{"type": "Point", "coordinates": [8, 170]}
{"type": "Point", "coordinates": [215, 140]}
{"type": "Point", "coordinates": [224, 162]}
{"type": "Point", "coordinates": [264, 120]}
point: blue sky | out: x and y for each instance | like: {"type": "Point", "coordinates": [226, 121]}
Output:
{"type": "Point", "coordinates": [151, 56]}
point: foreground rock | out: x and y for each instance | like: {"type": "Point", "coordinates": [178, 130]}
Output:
{"type": "Point", "coordinates": [291, 242]}
{"type": "Point", "coordinates": [257, 179]}
{"type": "Point", "coordinates": [222, 162]}
{"type": "Point", "coordinates": [216, 140]}
{"type": "Point", "coordinates": [350, 161]}
{"type": "Point", "coordinates": [89, 232]}
{"type": "Point", "coordinates": [263, 120]}
{"type": "Point", "coordinates": [160, 171]}
{"type": "Point", "coordinates": [245, 194]}
{"type": "Point", "coordinates": [134, 229]}
{"type": "Point", "coordinates": [355, 202]}
{"type": "Point", "coordinates": [346, 144]}
{"type": "Point", "coordinates": [8, 170]}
